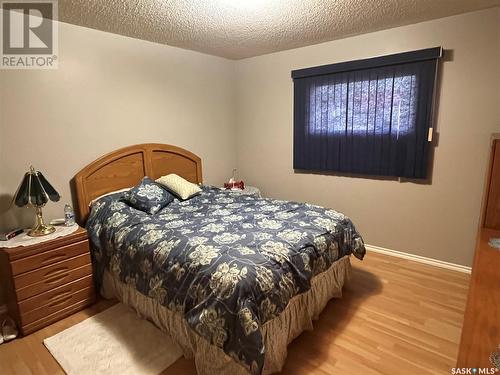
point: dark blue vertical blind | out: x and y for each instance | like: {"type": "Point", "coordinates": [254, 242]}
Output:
{"type": "Point", "coordinates": [362, 119]}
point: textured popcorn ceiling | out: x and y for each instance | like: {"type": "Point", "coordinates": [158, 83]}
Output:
{"type": "Point", "coordinates": [243, 28]}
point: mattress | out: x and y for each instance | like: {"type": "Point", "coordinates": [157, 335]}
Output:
{"type": "Point", "coordinates": [228, 264]}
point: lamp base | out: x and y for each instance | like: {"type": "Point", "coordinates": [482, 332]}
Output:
{"type": "Point", "coordinates": [40, 228]}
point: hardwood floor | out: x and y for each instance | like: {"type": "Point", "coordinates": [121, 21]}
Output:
{"type": "Point", "coordinates": [396, 317]}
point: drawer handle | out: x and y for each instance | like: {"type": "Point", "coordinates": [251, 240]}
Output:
{"type": "Point", "coordinates": [62, 299]}
{"type": "Point", "coordinates": [53, 259]}
{"type": "Point", "coordinates": [56, 275]}
{"type": "Point", "coordinates": [59, 295]}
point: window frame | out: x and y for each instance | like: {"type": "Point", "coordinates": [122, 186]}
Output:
{"type": "Point", "coordinates": [304, 78]}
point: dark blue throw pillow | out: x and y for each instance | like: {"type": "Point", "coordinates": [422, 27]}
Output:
{"type": "Point", "coordinates": [148, 196]}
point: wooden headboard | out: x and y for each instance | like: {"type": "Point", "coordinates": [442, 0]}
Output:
{"type": "Point", "coordinates": [127, 166]}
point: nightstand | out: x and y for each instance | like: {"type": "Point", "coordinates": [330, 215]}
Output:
{"type": "Point", "coordinates": [48, 281]}
{"type": "Point", "coordinates": [248, 190]}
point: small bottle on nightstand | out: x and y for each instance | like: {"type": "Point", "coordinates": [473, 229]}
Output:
{"type": "Point", "coordinates": [69, 216]}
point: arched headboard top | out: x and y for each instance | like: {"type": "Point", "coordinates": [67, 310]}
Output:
{"type": "Point", "coordinates": [126, 166]}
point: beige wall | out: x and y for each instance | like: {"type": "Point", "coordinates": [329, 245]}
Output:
{"type": "Point", "coordinates": [111, 91]}
{"type": "Point", "coordinates": [437, 220]}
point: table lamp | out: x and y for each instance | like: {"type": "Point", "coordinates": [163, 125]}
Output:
{"type": "Point", "coordinates": [35, 191]}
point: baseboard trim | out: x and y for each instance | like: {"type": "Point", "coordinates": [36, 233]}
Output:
{"type": "Point", "coordinates": [418, 258]}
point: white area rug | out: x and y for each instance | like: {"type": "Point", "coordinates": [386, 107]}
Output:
{"type": "Point", "coordinates": [115, 341]}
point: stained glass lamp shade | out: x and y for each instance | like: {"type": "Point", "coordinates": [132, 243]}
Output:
{"type": "Point", "coordinates": [35, 191]}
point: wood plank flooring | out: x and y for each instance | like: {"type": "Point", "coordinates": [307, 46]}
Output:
{"type": "Point", "coordinates": [396, 317]}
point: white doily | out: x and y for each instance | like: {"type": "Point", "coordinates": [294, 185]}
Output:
{"type": "Point", "coordinates": [249, 190]}
{"type": "Point", "coordinates": [25, 240]}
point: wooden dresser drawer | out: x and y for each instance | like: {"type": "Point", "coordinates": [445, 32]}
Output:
{"type": "Point", "coordinates": [49, 319]}
{"type": "Point", "coordinates": [49, 257]}
{"type": "Point", "coordinates": [47, 281]}
{"type": "Point", "coordinates": [47, 278]}
{"type": "Point", "coordinates": [55, 296]}
{"type": "Point", "coordinates": [57, 305]}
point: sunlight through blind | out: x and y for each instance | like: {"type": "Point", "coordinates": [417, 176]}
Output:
{"type": "Point", "coordinates": [371, 120]}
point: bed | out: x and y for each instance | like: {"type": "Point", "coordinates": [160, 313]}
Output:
{"type": "Point", "coordinates": [232, 278]}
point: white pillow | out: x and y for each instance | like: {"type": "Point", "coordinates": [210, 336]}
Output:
{"type": "Point", "coordinates": [179, 186]}
{"type": "Point", "coordinates": [105, 195]}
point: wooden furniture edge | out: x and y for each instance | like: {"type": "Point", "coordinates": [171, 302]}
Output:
{"type": "Point", "coordinates": [464, 343]}
{"type": "Point", "coordinates": [15, 253]}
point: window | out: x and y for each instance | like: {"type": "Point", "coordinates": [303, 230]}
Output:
{"type": "Point", "coordinates": [368, 116]}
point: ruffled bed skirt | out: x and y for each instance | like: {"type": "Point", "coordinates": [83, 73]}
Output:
{"type": "Point", "coordinates": [277, 333]}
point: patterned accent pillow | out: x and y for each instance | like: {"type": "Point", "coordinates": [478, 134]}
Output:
{"type": "Point", "coordinates": [179, 186]}
{"type": "Point", "coordinates": [148, 196]}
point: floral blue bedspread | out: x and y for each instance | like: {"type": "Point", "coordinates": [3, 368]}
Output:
{"type": "Point", "coordinates": [227, 262]}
